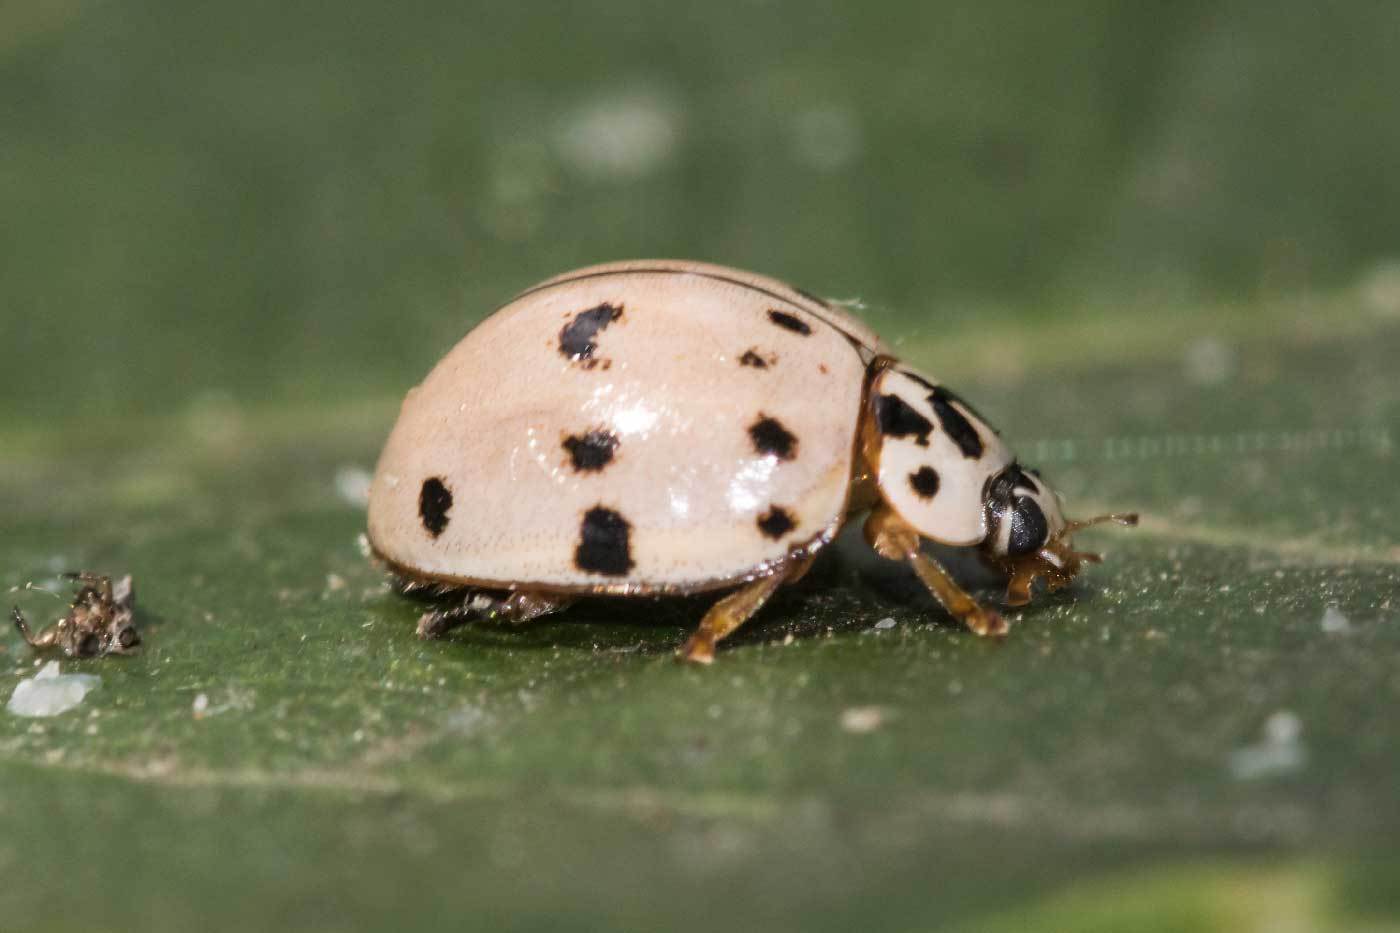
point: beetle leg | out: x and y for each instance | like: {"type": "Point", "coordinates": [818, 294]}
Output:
{"type": "Point", "coordinates": [45, 639]}
{"type": "Point", "coordinates": [523, 607]}
{"type": "Point", "coordinates": [517, 608]}
{"type": "Point", "coordinates": [893, 538]}
{"type": "Point", "coordinates": [737, 608]}
{"type": "Point", "coordinates": [96, 583]}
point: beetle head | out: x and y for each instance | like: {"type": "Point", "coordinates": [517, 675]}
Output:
{"type": "Point", "coordinates": [1028, 536]}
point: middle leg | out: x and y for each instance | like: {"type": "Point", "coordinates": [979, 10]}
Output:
{"type": "Point", "coordinates": [737, 608]}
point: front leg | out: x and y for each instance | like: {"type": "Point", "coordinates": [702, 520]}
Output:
{"type": "Point", "coordinates": [893, 538]}
{"type": "Point", "coordinates": [517, 608]}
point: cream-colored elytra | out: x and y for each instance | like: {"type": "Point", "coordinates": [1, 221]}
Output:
{"type": "Point", "coordinates": [935, 456]}
{"type": "Point", "coordinates": [832, 314]}
{"type": "Point", "coordinates": [647, 426]}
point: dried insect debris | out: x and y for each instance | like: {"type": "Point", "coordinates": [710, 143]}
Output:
{"type": "Point", "coordinates": [100, 621]}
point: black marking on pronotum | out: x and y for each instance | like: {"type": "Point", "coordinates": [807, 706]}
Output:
{"type": "Point", "coordinates": [951, 396]}
{"type": "Point", "coordinates": [810, 297]}
{"type": "Point", "coordinates": [604, 544]}
{"type": "Point", "coordinates": [789, 322]}
{"type": "Point", "coordinates": [924, 481]}
{"type": "Point", "coordinates": [576, 340]}
{"type": "Point", "coordinates": [592, 451]}
{"type": "Point", "coordinates": [955, 423]}
{"type": "Point", "coordinates": [770, 437]}
{"type": "Point", "coordinates": [1003, 487]}
{"type": "Point", "coordinates": [776, 522]}
{"type": "Point", "coordinates": [752, 358]}
{"type": "Point", "coordinates": [897, 419]}
{"type": "Point", "coordinates": [434, 502]}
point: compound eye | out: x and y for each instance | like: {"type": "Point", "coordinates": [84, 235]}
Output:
{"type": "Point", "coordinates": [1029, 529]}
{"type": "Point", "coordinates": [89, 646]}
{"type": "Point", "coordinates": [128, 638]}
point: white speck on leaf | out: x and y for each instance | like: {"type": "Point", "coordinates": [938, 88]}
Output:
{"type": "Point", "coordinates": [1279, 752]}
{"type": "Point", "coordinates": [1209, 361]}
{"type": "Point", "coordinates": [50, 692]}
{"type": "Point", "coordinates": [621, 135]}
{"type": "Point", "coordinates": [860, 720]}
{"type": "Point", "coordinates": [1334, 622]}
{"type": "Point", "coordinates": [352, 485]}
{"type": "Point", "coordinates": [884, 625]}
{"type": "Point", "coordinates": [233, 699]}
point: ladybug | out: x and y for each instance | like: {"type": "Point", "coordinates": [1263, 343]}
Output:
{"type": "Point", "coordinates": [661, 427]}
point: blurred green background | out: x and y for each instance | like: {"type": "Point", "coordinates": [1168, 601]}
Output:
{"type": "Point", "coordinates": [296, 200]}
{"type": "Point", "coordinates": [1158, 242]}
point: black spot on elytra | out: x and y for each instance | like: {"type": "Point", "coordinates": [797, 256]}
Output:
{"type": "Point", "coordinates": [925, 482]}
{"type": "Point", "coordinates": [576, 340]}
{"type": "Point", "coordinates": [770, 437]}
{"type": "Point", "coordinates": [604, 544]}
{"type": "Point", "coordinates": [958, 427]}
{"type": "Point", "coordinates": [789, 322]}
{"type": "Point", "coordinates": [434, 502]}
{"type": "Point", "coordinates": [776, 522]}
{"type": "Point", "coordinates": [592, 451]}
{"type": "Point", "coordinates": [897, 419]}
{"type": "Point", "coordinates": [752, 358]}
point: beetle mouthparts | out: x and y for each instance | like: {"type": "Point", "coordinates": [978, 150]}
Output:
{"type": "Point", "coordinates": [1058, 563]}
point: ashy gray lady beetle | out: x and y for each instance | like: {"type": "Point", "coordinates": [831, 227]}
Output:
{"type": "Point", "coordinates": [664, 427]}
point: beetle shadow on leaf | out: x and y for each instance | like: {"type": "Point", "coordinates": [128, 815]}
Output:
{"type": "Point", "coordinates": [644, 626]}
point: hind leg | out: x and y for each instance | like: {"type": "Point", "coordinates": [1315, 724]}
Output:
{"type": "Point", "coordinates": [517, 608]}
{"type": "Point", "coordinates": [735, 609]}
